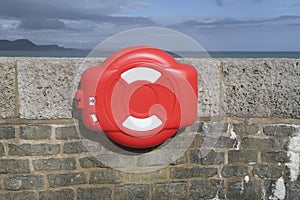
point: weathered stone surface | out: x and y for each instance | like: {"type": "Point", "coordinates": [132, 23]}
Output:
{"type": "Point", "coordinates": [206, 189]}
{"type": "Point", "coordinates": [7, 87]}
{"type": "Point", "coordinates": [261, 87]}
{"type": "Point", "coordinates": [65, 194]}
{"type": "Point", "coordinates": [35, 132]}
{"type": "Point", "coordinates": [102, 193]}
{"type": "Point", "coordinates": [210, 158]}
{"type": "Point", "coordinates": [244, 156]}
{"type": "Point", "coordinates": [33, 149]}
{"type": "Point", "coordinates": [246, 129]}
{"type": "Point", "coordinates": [267, 171]}
{"type": "Point", "coordinates": [74, 147]}
{"type": "Point", "coordinates": [263, 144]}
{"type": "Point", "coordinates": [30, 182]}
{"type": "Point", "coordinates": [293, 190]}
{"type": "Point", "coordinates": [274, 157]}
{"type": "Point", "coordinates": [275, 189]}
{"type": "Point", "coordinates": [54, 164]}
{"type": "Point", "coordinates": [58, 180]}
{"type": "Point", "coordinates": [279, 130]}
{"type": "Point", "coordinates": [166, 191]}
{"type": "Point", "coordinates": [244, 190]}
{"type": "Point", "coordinates": [137, 192]}
{"type": "Point", "coordinates": [200, 172]}
{"type": "Point", "coordinates": [10, 166]}
{"type": "Point", "coordinates": [251, 87]}
{"type": "Point", "coordinates": [2, 152]}
{"type": "Point", "coordinates": [18, 196]}
{"type": "Point", "coordinates": [208, 85]}
{"type": "Point", "coordinates": [66, 133]}
{"type": "Point", "coordinates": [7, 132]}
{"type": "Point", "coordinates": [50, 83]}
{"type": "Point", "coordinates": [106, 176]}
{"type": "Point", "coordinates": [91, 162]}
{"type": "Point", "coordinates": [230, 171]}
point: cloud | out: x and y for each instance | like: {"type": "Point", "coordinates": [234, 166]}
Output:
{"type": "Point", "coordinates": [229, 22]}
{"type": "Point", "coordinates": [67, 9]}
{"type": "Point", "coordinates": [36, 14]}
{"type": "Point", "coordinates": [221, 2]}
{"type": "Point", "coordinates": [36, 24]}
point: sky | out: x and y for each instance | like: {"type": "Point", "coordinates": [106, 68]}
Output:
{"type": "Point", "coordinates": [218, 25]}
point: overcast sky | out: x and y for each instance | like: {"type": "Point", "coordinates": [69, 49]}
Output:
{"type": "Point", "coordinates": [218, 25]}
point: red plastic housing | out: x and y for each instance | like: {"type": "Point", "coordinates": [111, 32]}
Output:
{"type": "Point", "coordinates": [139, 96]}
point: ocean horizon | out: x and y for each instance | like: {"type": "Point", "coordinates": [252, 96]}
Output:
{"type": "Point", "coordinates": [212, 54]}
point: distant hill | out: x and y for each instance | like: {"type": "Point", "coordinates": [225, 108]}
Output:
{"type": "Point", "coordinates": [27, 45]}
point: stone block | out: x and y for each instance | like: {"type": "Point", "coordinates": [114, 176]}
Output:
{"type": "Point", "coordinates": [65, 194]}
{"type": "Point", "coordinates": [33, 149]}
{"type": "Point", "coordinates": [11, 166]}
{"type": "Point", "coordinates": [74, 147]}
{"type": "Point", "coordinates": [18, 196]}
{"type": "Point", "coordinates": [106, 176]}
{"type": "Point", "coordinates": [279, 130]}
{"type": "Point", "coordinates": [8, 88]}
{"type": "Point", "coordinates": [193, 172]}
{"type": "Point", "coordinates": [206, 189]}
{"type": "Point", "coordinates": [54, 164]}
{"type": "Point", "coordinates": [153, 176]}
{"type": "Point", "coordinates": [35, 132]}
{"type": "Point", "coordinates": [244, 156]}
{"type": "Point", "coordinates": [245, 129]}
{"type": "Point", "coordinates": [59, 180]}
{"type": "Point", "coordinates": [166, 191]}
{"type": "Point", "coordinates": [240, 190]}
{"type": "Point", "coordinates": [66, 133]}
{"type": "Point", "coordinates": [274, 157]}
{"type": "Point", "coordinates": [102, 193]}
{"type": "Point", "coordinates": [210, 158]}
{"type": "Point", "coordinates": [29, 182]}
{"type": "Point", "coordinates": [262, 144]}
{"type": "Point", "coordinates": [267, 171]}
{"type": "Point", "coordinates": [91, 162]}
{"type": "Point", "coordinates": [261, 87]}
{"type": "Point", "coordinates": [7, 132]}
{"type": "Point", "coordinates": [231, 171]}
{"type": "Point", "coordinates": [137, 192]}
{"type": "Point", "coordinates": [51, 84]}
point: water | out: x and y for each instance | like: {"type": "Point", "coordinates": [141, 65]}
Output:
{"type": "Point", "coordinates": [84, 53]}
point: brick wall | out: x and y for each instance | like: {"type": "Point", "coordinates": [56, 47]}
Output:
{"type": "Point", "coordinates": [245, 143]}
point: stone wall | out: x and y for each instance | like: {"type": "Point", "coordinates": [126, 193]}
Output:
{"type": "Point", "coordinates": [249, 127]}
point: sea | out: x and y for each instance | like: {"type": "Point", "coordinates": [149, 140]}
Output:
{"type": "Point", "coordinates": [214, 54]}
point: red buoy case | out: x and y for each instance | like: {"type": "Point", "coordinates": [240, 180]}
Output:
{"type": "Point", "coordinates": [139, 96]}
